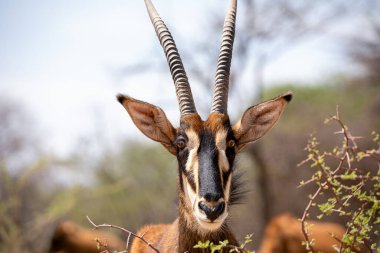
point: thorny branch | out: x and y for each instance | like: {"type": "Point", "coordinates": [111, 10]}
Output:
{"type": "Point", "coordinates": [346, 184]}
{"type": "Point", "coordinates": [126, 231]}
{"type": "Point", "coordinates": [303, 220]}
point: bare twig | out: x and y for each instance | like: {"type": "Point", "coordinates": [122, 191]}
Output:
{"type": "Point", "coordinates": [127, 245]}
{"type": "Point", "coordinates": [126, 231]}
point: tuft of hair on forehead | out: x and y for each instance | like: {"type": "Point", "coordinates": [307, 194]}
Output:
{"type": "Point", "coordinates": [214, 123]}
{"type": "Point", "coordinates": [192, 121]}
{"type": "Point", "coordinates": [217, 122]}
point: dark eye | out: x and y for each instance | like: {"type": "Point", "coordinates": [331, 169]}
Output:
{"type": "Point", "coordinates": [231, 143]}
{"type": "Point", "coordinates": [181, 143]}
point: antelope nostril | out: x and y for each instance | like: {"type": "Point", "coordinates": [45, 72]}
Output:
{"type": "Point", "coordinates": [219, 208]}
{"type": "Point", "coordinates": [212, 213]}
{"type": "Point", "coordinates": [202, 205]}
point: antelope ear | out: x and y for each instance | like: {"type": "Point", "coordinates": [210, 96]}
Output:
{"type": "Point", "coordinates": [259, 119]}
{"type": "Point", "coordinates": [151, 120]}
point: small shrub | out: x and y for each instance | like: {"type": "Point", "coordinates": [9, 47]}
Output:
{"type": "Point", "coordinates": [349, 186]}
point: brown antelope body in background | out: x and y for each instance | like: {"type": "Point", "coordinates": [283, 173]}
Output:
{"type": "Point", "coordinates": [284, 235]}
{"type": "Point", "coordinates": [69, 237]}
{"type": "Point", "coordinates": [205, 150]}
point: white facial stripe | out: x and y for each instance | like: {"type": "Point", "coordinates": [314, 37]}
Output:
{"type": "Point", "coordinates": [223, 161]}
{"type": "Point", "coordinates": [192, 167]}
{"type": "Point", "coordinates": [228, 188]}
{"type": "Point", "coordinates": [220, 140]}
{"type": "Point", "coordinates": [193, 139]}
{"type": "Point", "coordinates": [224, 166]}
{"type": "Point", "coordinates": [192, 196]}
{"type": "Point", "coordinates": [191, 160]}
{"type": "Point", "coordinates": [193, 144]}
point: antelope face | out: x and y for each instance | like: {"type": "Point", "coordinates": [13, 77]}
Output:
{"type": "Point", "coordinates": [206, 152]}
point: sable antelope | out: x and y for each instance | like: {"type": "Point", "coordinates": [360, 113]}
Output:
{"type": "Point", "coordinates": [205, 150]}
{"type": "Point", "coordinates": [284, 235]}
{"type": "Point", "coordinates": [71, 238]}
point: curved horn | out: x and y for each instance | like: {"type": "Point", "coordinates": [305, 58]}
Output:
{"type": "Point", "coordinates": [219, 101]}
{"type": "Point", "coordinates": [182, 86]}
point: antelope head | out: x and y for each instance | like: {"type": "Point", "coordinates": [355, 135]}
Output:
{"type": "Point", "coordinates": [205, 149]}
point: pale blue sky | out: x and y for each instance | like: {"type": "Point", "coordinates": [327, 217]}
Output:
{"type": "Point", "coordinates": [58, 59]}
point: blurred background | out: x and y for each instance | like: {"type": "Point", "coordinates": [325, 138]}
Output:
{"type": "Point", "coordinates": [68, 149]}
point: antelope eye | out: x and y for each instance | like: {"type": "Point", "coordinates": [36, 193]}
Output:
{"type": "Point", "coordinates": [231, 143]}
{"type": "Point", "coordinates": [181, 144]}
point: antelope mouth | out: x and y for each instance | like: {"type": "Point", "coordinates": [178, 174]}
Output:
{"type": "Point", "coordinates": [208, 224]}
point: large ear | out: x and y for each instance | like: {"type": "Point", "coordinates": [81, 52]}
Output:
{"type": "Point", "coordinates": [151, 120]}
{"type": "Point", "coordinates": [259, 119]}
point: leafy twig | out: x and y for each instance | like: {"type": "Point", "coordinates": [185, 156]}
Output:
{"type": "Point", "coordinates": [347, 185]}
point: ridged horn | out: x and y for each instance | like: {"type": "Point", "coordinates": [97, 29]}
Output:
{"type": "Point", "coordinates": [182, 86]}
{"type": "Point", "coordinates": [220, 98]}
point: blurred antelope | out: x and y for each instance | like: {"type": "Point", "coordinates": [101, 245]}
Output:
{"type": "Point", "coordinates": [71, 238]}
{"type": "Point", "coordinates": [284, 235]}
{"type": "Point", "coordinates": [205, 150]}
